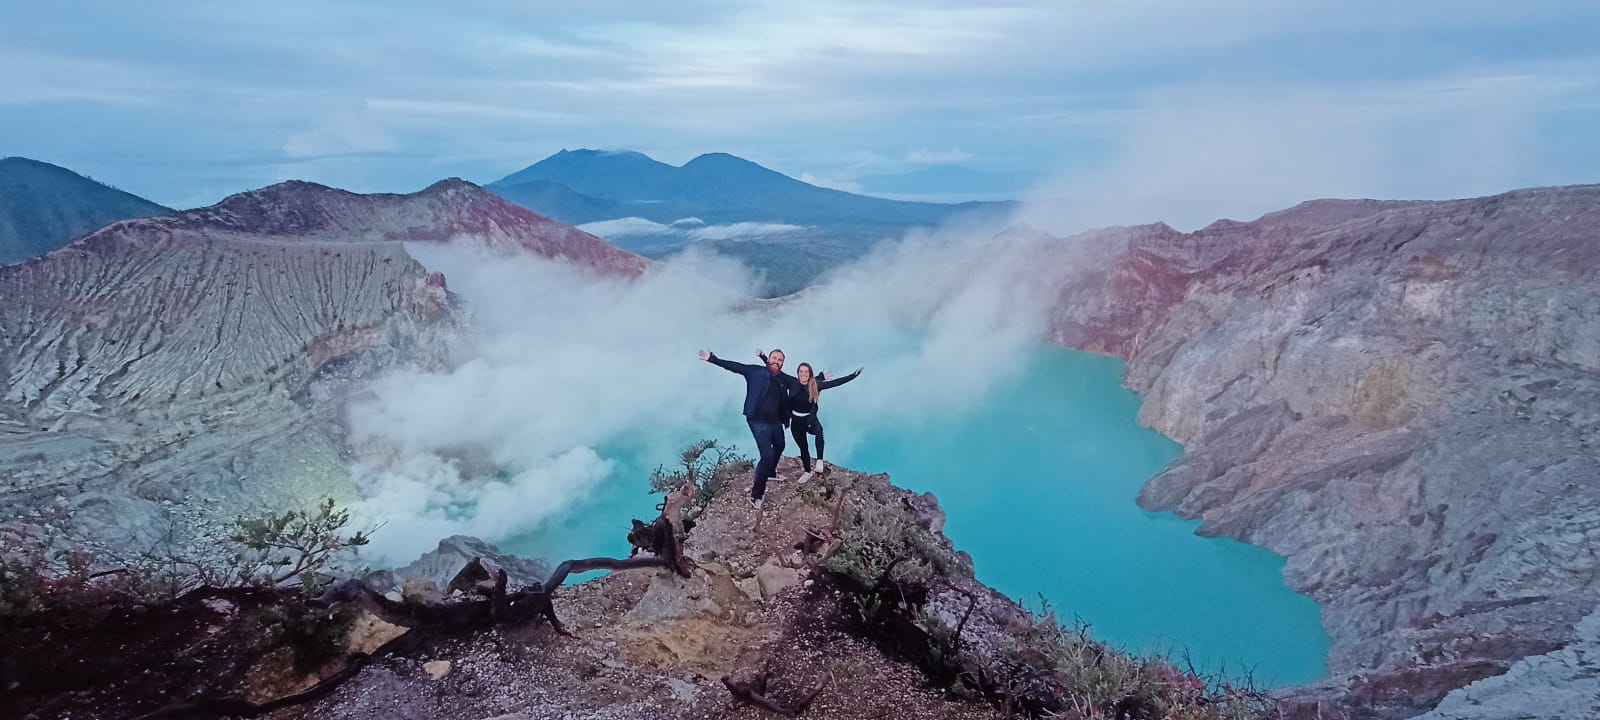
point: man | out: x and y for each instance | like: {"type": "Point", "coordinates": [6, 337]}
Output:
{"type": "Point", "coordinates": [767, 396]}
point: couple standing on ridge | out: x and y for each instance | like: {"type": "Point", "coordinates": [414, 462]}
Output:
{"type": "Point", "coordinates": [773, 399]}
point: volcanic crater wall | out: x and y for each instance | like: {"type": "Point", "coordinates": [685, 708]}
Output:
{"type": "Point", "coordinates": [1401, 398]}
{"type": "Point", "coordinates": [161, 371]}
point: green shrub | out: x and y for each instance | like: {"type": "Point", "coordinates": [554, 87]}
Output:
{"type": "Point", "coordinates": [705, 464]}
{"type": "Point", "coordinates": [879, 531]}
{"type": "Point", "coordinates": [297, 544]}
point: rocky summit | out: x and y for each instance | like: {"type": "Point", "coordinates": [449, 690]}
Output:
{"type": "Point", "coordinates": [207, 354]}
{"type": "Point", "coordinates": [1403, 398]}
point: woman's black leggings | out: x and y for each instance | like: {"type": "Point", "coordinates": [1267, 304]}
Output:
{"type": "Point", "coordinates": [800, 426]}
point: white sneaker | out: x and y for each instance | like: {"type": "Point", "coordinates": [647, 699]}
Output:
{"type": "Point", "coordinates": [755, 503]}
{"type": "Point", "coordinates": [822, 466]}
{"type": "Point", "coordinates": [804, 477]}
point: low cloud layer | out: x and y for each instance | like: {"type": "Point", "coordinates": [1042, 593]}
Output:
{"type": "Point", "coordinates": [572, 367]}
{"type": "Point", "coordinates": [687, 228]}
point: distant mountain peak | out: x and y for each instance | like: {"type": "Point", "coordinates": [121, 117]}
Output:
{"type": "Point", "coordinates": [596, 152]}
{"type": "Point", "coordinates": [44, 206]}
{"type": "Point", "coordinates": [720, 158]}
{"type": "Point", "coordinates": [452, 184]}
{"type": "Point", "coordinates": [19, 160]}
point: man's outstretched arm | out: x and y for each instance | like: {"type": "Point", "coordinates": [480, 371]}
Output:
{"type": "Point", "coordinates": [728, 365]}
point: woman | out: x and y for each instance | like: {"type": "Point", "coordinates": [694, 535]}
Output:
{"type": "Point", "coordinates": [803, 407]}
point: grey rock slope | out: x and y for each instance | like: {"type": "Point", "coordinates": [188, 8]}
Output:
{"type": "Point", "coordinates": [1401, 398]}
{"type": "Point", "coordinates": [43, 207]}
{"type": "Point", "coordinates": [165, 370]}
{"type": "Point", "coordinates": [441, 565]}
{"type": "Point", "coordinates": [1558, 685]}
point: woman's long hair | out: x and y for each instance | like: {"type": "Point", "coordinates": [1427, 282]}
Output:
{"type": "Point", "coordinates": [812, 386]}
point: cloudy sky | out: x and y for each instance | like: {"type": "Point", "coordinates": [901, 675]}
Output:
{"type": "Point", "coordinates": [1270, 99]}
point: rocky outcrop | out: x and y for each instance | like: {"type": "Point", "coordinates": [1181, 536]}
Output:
{"type": "Point", "coordinates": [166, 370]}
{"type": "Point", "coordinates": [652, 644]}
{"type": "Point", "coordinates": [1401, 398]}
{"type": "Point", "coordinates": [441, 565]}
{"type": "Point", "coordinates": [1557, 685]}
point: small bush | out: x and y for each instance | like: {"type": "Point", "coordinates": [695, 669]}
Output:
{"type": "Point", "coordinates": [1049, 662]}
{"type": "Point", "coordinates": [22, 574]}
{"type": "Point", "coordinates": [43, 570]}
{"type": "Point", "coordinates": [297, 544]}
{"type": "Point", "coordinates": [878, 532]}
{"type": "Point", "coordinates": [707, 465]}
{"type": "Point", "coordinates": [313, 637]}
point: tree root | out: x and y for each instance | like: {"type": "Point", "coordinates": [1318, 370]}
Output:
{"type": "Point", "coordinates": [664, 537]}
{"type": "Point", "coordinates": [209, 707]}
{"type": "Point", "coordinates": [754, 692]}
{"type": "Point", "coordinates": [500, 607]}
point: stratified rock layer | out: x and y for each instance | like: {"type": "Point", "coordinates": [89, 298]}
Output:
{"type": "Point", "coordinates": [1401, 398]}
{"type": "Point", "coordinates": [170, 368]}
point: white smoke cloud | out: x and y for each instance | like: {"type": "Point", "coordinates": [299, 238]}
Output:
{"type": "Point", "coordinates": [572, 364]}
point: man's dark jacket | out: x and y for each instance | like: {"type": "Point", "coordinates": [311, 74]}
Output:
{"type": "Point", "coordinates": [756, 380]}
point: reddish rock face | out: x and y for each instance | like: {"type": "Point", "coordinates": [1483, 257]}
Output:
{"type": "Point", "coordinates": [446, 211]}
{"type": "Point", "coordinates": [1400, 397]}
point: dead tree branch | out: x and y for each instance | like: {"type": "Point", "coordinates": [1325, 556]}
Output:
{"type": "Point", "coordinates": [754, 692]}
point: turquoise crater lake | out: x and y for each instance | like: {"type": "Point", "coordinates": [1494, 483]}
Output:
{"type": "Point", "coordinates": [1038, 482]}
{"type": "Point", "coordinates": [1038, 485]}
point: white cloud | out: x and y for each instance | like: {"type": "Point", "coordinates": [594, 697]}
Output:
{"type": "Point", "coordinates": [687, 228]}
{"type": "Point", "coordinates": [834, 183]}
{"type": "Point", "coordinates": [571, 364]}
{"type": "Point", "coordinates": [743, 231]}
{"type": "Point", "coordinates": [349, 128]}
{"type": "Point", "coordinates": [924, 156]}
{"type": "Point", "coordinates": [626, 227]}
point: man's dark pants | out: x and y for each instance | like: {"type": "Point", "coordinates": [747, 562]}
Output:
{"type": "Point", "coordinates": [769, 442]}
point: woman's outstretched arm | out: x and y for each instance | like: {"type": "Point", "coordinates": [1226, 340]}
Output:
{"type": "Point", "coordinates": [829, 381]}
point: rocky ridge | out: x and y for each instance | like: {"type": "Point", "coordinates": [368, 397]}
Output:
{"type": "Point", "coordinates": [1402, 398]}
